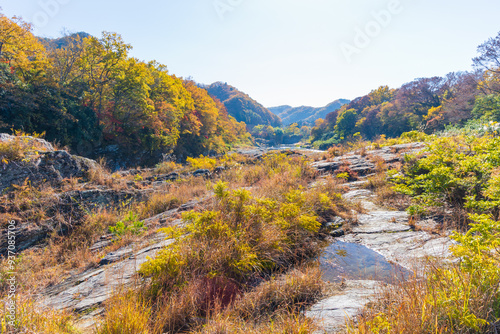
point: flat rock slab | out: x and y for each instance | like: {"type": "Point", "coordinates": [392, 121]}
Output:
{"type": "Point", "coordinates": [408, 249]}
{"type": "Point", "coordinates": [382, 222]}
{"type": "Point", "coordinates": [357, 194]}
{"type": "Point", "coordinates": [389, 234]}
{"type": "Point", "coordinates": [93, 287]}
{"type": "Point", "coordinates": [331, 313]}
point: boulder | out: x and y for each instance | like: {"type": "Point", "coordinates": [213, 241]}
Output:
{"type": "Point", "coordinates": [219, 170]}
{"type": "Point", "coordinates": [39, 143]}
{"type": "Point", "coordinates": [201, 172]}
{"type": "Point", "coordinates": [48, 167]}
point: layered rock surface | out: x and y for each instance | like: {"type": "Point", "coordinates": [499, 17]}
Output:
{"type": "Point", "coordinates": [364, 164]}
{"type": "Point", "coordinates": [385, 232]}
{"type": "Point", "coordinates": [388, 234]}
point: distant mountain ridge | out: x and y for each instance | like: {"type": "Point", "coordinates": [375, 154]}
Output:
{"type": "Point", "coordinates": [61, 42]}
{"type": "Point", "coordinates": [241, 106]}
{"type": "Point", "coordinates": [305, 114]}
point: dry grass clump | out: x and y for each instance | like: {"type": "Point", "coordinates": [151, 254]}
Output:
{"type": "Point", "coordinates": [289, 324]}
{"type": "Point", "coordinates": [31, 319]}
{"type": "Point", "coordinates": [186, 190]}
{"type": "Point", "coordinates": [383, 188]}
{"type": "Point", "coordinates": [12, 151]}
{"type": "Point", "coordinates": [158, 203]}
{"type": "Point", "coordinates": [167, 167]}
{"type": "Point", "coordinates": [126, 314]}
{"type": "Point", "coordinates": [277, 173]}
{"type": "Point", "coordinates": [290, 293]}
{"type": "Point", "coordinates": [41, 267]}
{"type": "Point", "coordinates": [21, 147]}
{"type": "Point", "coordinates": [100, 175]}
{"type": "Point", "coordinates": [448, 301]}
{"type": "Point", "coordinates": [273, 168]}
{"type": "Point", "coordinates": [171, 196]}
{"type": "Point", "coordinates": [241, 239]}
{"type": "Point", "coordinates": [28, 203]}
{"type": "Point", "coordinates": [274, 306]}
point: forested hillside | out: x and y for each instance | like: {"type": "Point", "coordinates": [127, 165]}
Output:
{"type": "Point", "coordinates": [88, 93]}
{"type": "Point", "coordinates": [241, 106]}
{"type": "Point", "coordinates": [306, 115]}
{"type": "Point", "coordinates": [425, 104]}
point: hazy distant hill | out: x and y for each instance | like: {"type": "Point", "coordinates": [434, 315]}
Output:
{"type": "Point", "coordinates": [241, 106]}
{"type": "Point", "coordinates": [306, 114]}
{"type": "Point", "coordinates": [57, 43]}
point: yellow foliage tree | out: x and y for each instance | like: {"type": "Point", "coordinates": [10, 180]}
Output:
{"type": "Point", "coordinates": [21, 49]}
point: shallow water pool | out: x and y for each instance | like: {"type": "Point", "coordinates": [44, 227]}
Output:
{"type": "Point", "coordinates": [342, 260]}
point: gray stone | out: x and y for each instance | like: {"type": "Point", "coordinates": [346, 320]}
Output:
{"type": "Point", "coordinates": [382, 222]}
{"type": "Point", "coordinates": [357, 194]}
{"type": "Point", "coordinates": [116, 256]}
{"type": "Point", "coordinates": [219, 169]}
{"type": "Point", "coordinates": [337, 233]}
{"type": "Point", "coordinates": [48, 167]}
{"type": "Point", "coordinates": [100, 245]}
{"type": "Point", "coordinates": [201, 172]}
{"type": "Point", "coordinates": [331, 313]}
{"type": "Point", "coordinates": [323, 166]}
{"type": "Point", "coordinates": [93, 287]}
{"type": "Point", "coordinates": [164, 177]}
{"type": "Point", "coordinates": [336, 223]}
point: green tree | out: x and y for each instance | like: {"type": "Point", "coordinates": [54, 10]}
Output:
{"type": "Point", "coordinates": [487, 107]}
{"type": "Point", "coordinates": [346, 123]}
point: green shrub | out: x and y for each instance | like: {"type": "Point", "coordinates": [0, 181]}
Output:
{"type": "Point", "coordinates": [129, 225]}
{"type": "Point", "coordinates": [459, 172]}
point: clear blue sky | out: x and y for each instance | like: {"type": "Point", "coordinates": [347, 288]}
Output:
{"type": "Point", "coordinates": [284, 51]}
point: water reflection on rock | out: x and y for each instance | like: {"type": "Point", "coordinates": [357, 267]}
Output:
{"type": "Point", "coordinates": [342, 260]}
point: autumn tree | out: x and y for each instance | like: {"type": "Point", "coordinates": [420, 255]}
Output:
{"type": "Point", "coordinates": [88, 93]}
{"type": "Point", "coordinates": [65, 61]}
{"type": "Point", "coordinates": [21, 50]}
{"type": "Point", "coordinates": [99, 66]}
{"type": "Point", "coordinates": [488, 61]}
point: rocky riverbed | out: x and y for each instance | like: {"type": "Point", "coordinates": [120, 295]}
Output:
{"type": "Point", "coordinates": [380, 249]}
{"type": "Point", "coordinates": [391, 250]}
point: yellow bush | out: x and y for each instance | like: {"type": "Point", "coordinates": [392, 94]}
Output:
{"type": "Point", "coordinates": [201, 162]}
